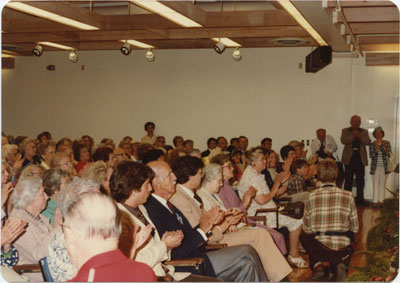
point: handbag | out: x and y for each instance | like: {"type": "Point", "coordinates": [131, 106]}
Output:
{"type": "Point", "coordinates": [391, 162]}
{"type": "Point", "coordinates": [294, 210]}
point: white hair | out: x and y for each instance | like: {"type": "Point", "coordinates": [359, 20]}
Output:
{"type": "Point", "coordinates": [210, 172]}
{"type": "Point", "coordinates": [255, 154]}
{"type": "Point", "coordinates": [69, 193]}
{"type": "Point", "coordinates": [25, 191]}
{"type": "Point", "coordinates": [6, 149]}
{"type": "Point", "coordinates": [93, 215]}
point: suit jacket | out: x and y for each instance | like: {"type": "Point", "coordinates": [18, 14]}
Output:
{"type": "Point", "coordinates": [193, 243]}
{"type": "Point", "coordinates": [192, 212]}
{"type": "Point", "coordinates": [347, 139]}
{"type": "Point", "coordinates": [151, 253]}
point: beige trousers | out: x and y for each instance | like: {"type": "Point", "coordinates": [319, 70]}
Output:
{"type": "Point", "coordinates": [275, 265]}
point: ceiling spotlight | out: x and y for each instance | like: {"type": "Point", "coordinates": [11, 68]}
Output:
{"type": "Point", "coordinates": [150, 56]}
{"type": "Point", "coordinates": [126, 48]}
{"type": "Point", "coordinates": [219, 47]}
{"type": "Point", "coordinates": [73, 57]}
{"type": "Point", "coordinates": [237, 55]}
{"type": "Point", "coordinates": [37, 50]}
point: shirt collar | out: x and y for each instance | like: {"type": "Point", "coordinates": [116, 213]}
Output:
{"type": "Point", "coordinates": [163, 201]}
{"type": "Point", "coordinates": [190, 193]}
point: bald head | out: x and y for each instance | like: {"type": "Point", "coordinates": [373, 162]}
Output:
{"type": "Point", "coordinates": [355, 121]}
{"type": "Point", "coordinates": [164, 183]}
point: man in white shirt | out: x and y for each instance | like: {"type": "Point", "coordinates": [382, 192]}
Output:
{"type": "Point", "coordinates": [150, 137]}
{"type": "Point", "coordinates": [324, 145]}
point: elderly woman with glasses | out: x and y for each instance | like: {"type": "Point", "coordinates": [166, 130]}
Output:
{"type": "Point", "coordinates": [29, 200]}
{"type": "Point", "coordinates": [230, 199]}
{"type": "Point", "coordinates": [62, 160]}
{"type": "Point", "coordinates": [46, 152]}
{"type": "Point", "coordinates": [28, 150]}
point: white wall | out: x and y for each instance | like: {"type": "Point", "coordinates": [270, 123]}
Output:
{"type": "Point", "coordinates": [194, 93]}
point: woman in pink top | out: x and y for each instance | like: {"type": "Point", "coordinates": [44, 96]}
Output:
{"type": "Point", "coordinates": [231, 199]}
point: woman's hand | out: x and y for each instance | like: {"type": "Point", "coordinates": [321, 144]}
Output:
{"type": "Point", "coordinates": [5, 192]}
{"type": "Point", "coordinates": [10, 231]}
{"type": "Point", "coordinates": [57, 218]}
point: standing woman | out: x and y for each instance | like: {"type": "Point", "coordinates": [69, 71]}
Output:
{"type": "Point", "coordinates": [379, 154]}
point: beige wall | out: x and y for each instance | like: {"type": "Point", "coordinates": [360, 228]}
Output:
{"type": "Point", "coordinates": [194, 93]}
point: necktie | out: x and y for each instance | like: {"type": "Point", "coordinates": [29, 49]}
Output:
{"type": "Point", "coordinates": [139, 214]}
{"type": "Point", "coordinates": [196, 197]}
{"type": "Point", "coordinates": [171, 207]}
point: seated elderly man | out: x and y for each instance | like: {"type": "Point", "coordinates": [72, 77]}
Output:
{"type": "Point", "coordinates": [92, 227]}
{"type": "Point", "coordinates": [189, 172]}
{"type": "Point", "coordinates": [238, 263]}
{"type": "Point", "coordinates": [329, 222]}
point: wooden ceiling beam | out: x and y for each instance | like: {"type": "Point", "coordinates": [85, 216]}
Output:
{"type": "Point", "coordinates": [362, 3]}
{"type": "Point", "coordinates": [372, 14]}
{"type": "Point", "coordinates": [382, 59]}
{"type": "Point", "coordinates": [139, 21]}
{"type": "Point", "coordinates": [389, 47]}
{"type": "Point", "coordinates": [378, 39]}
{"type": "Point", "coordinates": [14, 21]}
{"type": "Point", "coordinates": [238, 32]}
{"type": "Point", "coordinates": [250, 19]}
{"type": "Point", "coordinates": [70, 11]}
{"type": "Point", "coordinates": [36, 37]}
{"type": "Point", "coordinates": [374, 28]}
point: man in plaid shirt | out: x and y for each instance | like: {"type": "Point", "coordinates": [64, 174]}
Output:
{"type": "Point", "coordinates": [330, 217]}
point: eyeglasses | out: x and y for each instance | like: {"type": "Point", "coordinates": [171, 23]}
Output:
{"type": "Point", "coordinates": [227, 166]}
{"type": "Point", "coordinates": [69, 163]}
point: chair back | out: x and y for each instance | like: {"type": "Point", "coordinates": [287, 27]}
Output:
{"type": "Point", "coordinates": [44, 266]}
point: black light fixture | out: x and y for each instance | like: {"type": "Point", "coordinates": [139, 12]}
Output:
{"type": "Point", "coordinates": [150, 56]}
{"type": "Point", "coordinates": [37, 50]}
{"type": "Point", "coordinates": [219, 47]}
{"type": "Point", "coordinates": [126, 48]}
{"type": "Point", "coordinates": [73, 57]}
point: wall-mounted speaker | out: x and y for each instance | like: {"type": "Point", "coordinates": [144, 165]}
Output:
{"type": "Point", "coordinates": [318, 59]}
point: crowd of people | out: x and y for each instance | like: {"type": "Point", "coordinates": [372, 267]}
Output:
{"type": "Point", "coordinates": [101, 212]}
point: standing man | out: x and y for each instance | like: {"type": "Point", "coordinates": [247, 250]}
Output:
{"type": "Point", "coordinates": [243, 143]}
{"type": "Point", "coordinates": [150, 137]}
{"type": "Point", "coordinates": [222, 143]}
{"type": "Point", "coordinates": [355, 156]}
{"type": "Point", "coordinates": [211, 144]}
{"type": "Point", "coordinates": [266, 143]}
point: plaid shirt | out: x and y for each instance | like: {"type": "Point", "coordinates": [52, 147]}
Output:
{"type": "Point", "coordinates": [330, 209]}
{"type": "Point", "coordinates": [296, 185]}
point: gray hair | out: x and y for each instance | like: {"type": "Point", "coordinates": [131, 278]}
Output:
{"type": "Point", "coordinates": [69, 193]}
{"type": "Point", "coordinates": [210, 172]}
{"type": "Point", "coordinates": [24, 144]}
{"type": "Point", "coordinates": [7, 148]}
{"type": "Point", "coordinates": [94, 215]}
{"type": "Point", "coordinates": [96, 171]}
{"type": "Point", "coordinates": [42, 147]}
{"type": "Point", "coordinates": [25, 191]}
{"type": "Point", "coordinates": [52, 180]}
{"type": "Point", "coordinates": [28, 171]}
{"type": "Point", "coordinates": [255, 154]}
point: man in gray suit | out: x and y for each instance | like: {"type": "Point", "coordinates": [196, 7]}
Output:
{"type": "Point", "coordinates": [355, 156]}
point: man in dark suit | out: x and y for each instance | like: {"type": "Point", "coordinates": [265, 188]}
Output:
{"type": "Point", "coordinates": [238, 263]}
{"type": "Point", "coordinates": [355, 156]}
{"type": "Point", "coordinates": [211, 144]}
